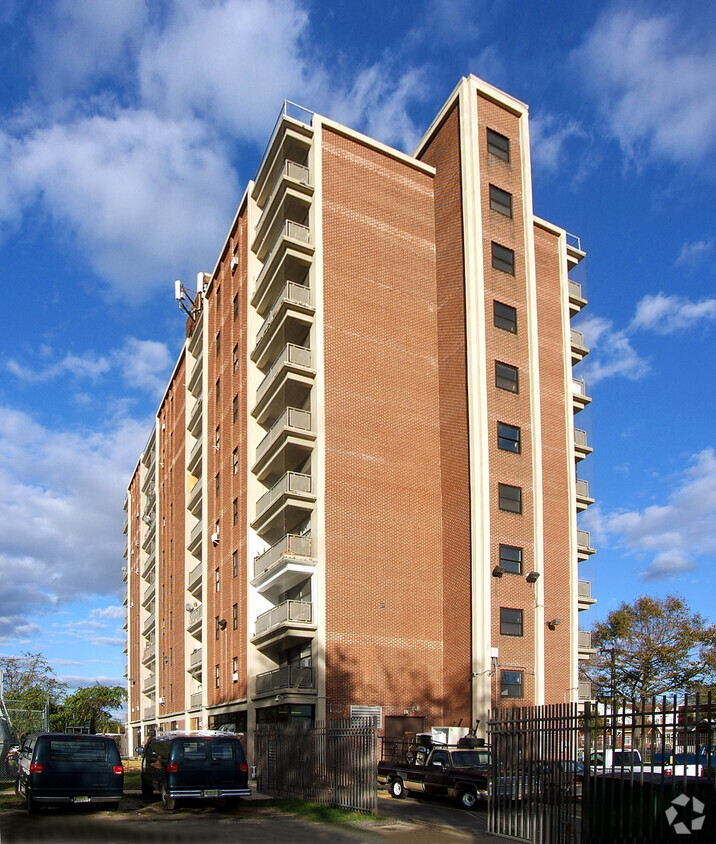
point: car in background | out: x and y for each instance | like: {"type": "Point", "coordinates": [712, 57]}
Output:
{"type": "Point", "coordinates": [58, 768]}
{"type": "Point", "coordinates": [198, 765]}
{"type": "Point", "coordinates": [684, 764]}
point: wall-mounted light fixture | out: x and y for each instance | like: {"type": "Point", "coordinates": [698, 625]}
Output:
{"type": "Point", "coordinates": [553, 624]}
{"type": "Point", "coordinates": [498, 571]}
{"type": "Point", "coordinates": [533, 577]}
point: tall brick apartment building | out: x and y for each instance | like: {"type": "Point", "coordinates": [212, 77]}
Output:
{"type": "Point", "coordinates": [360, 495]}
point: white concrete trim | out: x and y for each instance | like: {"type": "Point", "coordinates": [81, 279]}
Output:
{"type": "Point", "coordinates": [318, 407]}
{"type": "Point", "coordinates": [478, 435]}
{"type": "Point", "coordinates": [535, 408]}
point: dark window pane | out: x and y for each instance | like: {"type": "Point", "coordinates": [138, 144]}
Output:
{"type": "Point", "coordinates": [500, 201]}
{"type": "Point", "coordinates": [498, 145]}
{"type": "Point", "coordinates": [511, 684]}
{"type": "Point", "coordinates": [510, 622]}
{"type": "Point", "coordinates": [511, 558]}
{"type": "Point", "coordinates": [510, 498]}
{"type": "Point", "coordinates": [505, 317]}
{"type": "Point", "coordinates": [506, 377]}
{"type": "Point", "coordinates": [503, 258]}
{"type": "Point", "coordinates": [508, 438]}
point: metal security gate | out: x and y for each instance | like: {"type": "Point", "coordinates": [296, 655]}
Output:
{"type": "Point", "coordinates": [333, 763]}
{"type": "Point", "coordinates": [536, 781]}
{"type": "Point", "coordinates": [615, 772]}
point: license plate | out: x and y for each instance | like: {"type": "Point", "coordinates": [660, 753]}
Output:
{"type": "Point", "coordinates": [80, 800]}
{"type": "Point", "coordinates": [211, 792]}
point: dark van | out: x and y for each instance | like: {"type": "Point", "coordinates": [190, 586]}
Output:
{"type": "Point", "coordinates": [201, 765]}
{"type": "Point", "coordinates": [56, 768]}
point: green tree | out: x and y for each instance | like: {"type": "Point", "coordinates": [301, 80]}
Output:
{"type": "Point", "coordinates": [29, 684]}
{"type": "Point", "coordinates": [651, 647]}
{"type": "Point", "coordinates": [92, 707]}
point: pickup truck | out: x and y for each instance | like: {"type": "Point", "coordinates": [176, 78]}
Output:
{"type": "Point", "coordinates": [610, 761]}
{"type": "Point", "coordinates": [458, 773]}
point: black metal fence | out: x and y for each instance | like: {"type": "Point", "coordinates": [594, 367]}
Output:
{"type": "Point", "coordinates": [613, 771]}
{"type": "Point", "coordinates": [333, 763]}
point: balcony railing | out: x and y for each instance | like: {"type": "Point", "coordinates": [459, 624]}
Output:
{"type": "Point", "coordinates": [290, 545]}
{"type": "Point", "coordinates": [295, 231]}
{"type": "Point", "coordinates": [580, 438]}
{"type": "Point", "coordinates": [300, 612]}
{"type": "Point", "coordinates": [194, 576]}
{"type": "Point", "coordinates": [290, 170]}
{"type": "Point", "coordinates": [293, 293]}
{"type": "Point", "coordinates": [149, 712]}
{"type": "Point", "coordinates": [290, 354]}
{"type": "Point", "coordinates": [195, 537]}
{"type": "Point", "coordinates": [148, 622]}
{"type": "Point", "coordinates": [583, 540]}
{"type": "Point", "coordinates": [149, 653]}
{"type": "Point", "coordinates": [288, 677]}
{"type": "Point", "coordinates": [582, 488]}
{"type": "Point", "coordinates": [194, 425]}
{"type": "Point", "coordinates": [585, 690]}
{"type": "Point", "coordinates": [195, 700]}
{"type": "Point", "coordinates": [292, 417]}
{"type": "Point", "coordinates": [194, 616]}
{"type": "Point", "coordinates": [195, 658]}
{"type": "Point", "coordinates": [150, 683]}
{"type": "Point", "coordinates": [292, 483]}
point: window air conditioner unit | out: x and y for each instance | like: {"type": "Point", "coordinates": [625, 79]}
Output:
{"type": "Point", "coordinates": [235, 676]}
{"type": "Point", "coordinates": [234, 263]}
{"type": "Point", "coordinates": [215, 537]}
{"type": "Point", "coordinates": [161, 701]}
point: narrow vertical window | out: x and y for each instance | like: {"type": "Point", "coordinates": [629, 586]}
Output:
{"type": "Point", "coordinates": [503, 259]}
{"type": "Point", "coordinates": [500, 201]}
{"type": "Point", "coordinates": [498, 145]}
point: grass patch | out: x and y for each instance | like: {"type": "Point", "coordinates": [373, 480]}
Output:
{"type": "Point", "coordinates": [316, 811]}
{"type": "Point", "coordinates": [132, 780]}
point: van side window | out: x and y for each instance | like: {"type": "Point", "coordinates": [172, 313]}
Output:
{"type": "Point", "coordinates": [194, 750]}
{"type": "Point", "coordinates": [222, 750]}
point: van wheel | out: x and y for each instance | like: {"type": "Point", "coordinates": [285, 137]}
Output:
{"type": "Point", "coordinates": [30, 802]}
{"type": "Point", "coordinates": [468, 799]}
{"type": "Point", "coordinates": [168, 803]}
{"type": "Point", "coordinates": [147, 790]}
{"type": "Point", "coordinates": [397, 789]}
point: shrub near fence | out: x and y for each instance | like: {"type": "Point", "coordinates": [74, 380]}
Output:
{"type": "Point", "coordinates": [333, 763]}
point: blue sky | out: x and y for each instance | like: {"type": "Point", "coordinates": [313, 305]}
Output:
{"type": "Point", "coordinates": [128, 131]}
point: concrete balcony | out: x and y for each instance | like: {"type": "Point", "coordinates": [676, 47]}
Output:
{"type": "Point", "coordinates": [194, 622]}
{"type": "Point", "coordinates": [289, 621]}
{"type": "Point", "coordinates": [195, 701]}
{"type": "Point", "coordinates": [289, 501]}
{"type": "Point", "coordinates": [584, 549]}
{"type": "Point", "coordinates": [195, 537]}
{"type": "Point", "coordinates": [149, 654]}
{"type": "Point", "coordinates": [149, 563]}
{"type": "Point", "coordinates": [195, 344]}
{"type": "Point", "coordinates": [574, 250]}
{"type": "Point", "coordinates": [580, 399]}
{"type": "Point", "coordinates": [196, 419]}
{"type": "Point", "coordinates": [291, 679]}
{"type": "Point", "coordinates": [579, 350]}
{"type": "Point", "coordinates": [585, 690]}
{"type": "Point", "coordinates": [289, 320]}
{"type": "Point", "coordinates": [585, 648]}
{"type": "Point", "coordinates": [195, 379]}
{"type": "Point", "coordinates": [291, 240]}
{"type": "Point", "coordinates": [150, 712]}
{"type": "Point", "coordinates": [148, 626]}
{"type": "Point", "coordinates": [149, 594]}
{"type": "Point", "coordinates": [290, 141]}
{"type": "Point", "coordinates": [286, 264]}
{"type": "Point", "coordinates": [195, 456]}
{"type": "Point", "coordinates": [289, 198]}
{"type": "Point", "coordinates": [283, 566]}
{"type": "Point", "coordinates": [194, 582]}
{"type": "Point", "coordinates": [149, 684]}
{"type": "Point", "coordinates": [287, 383]}
{"type": "Point", "coordinates": [149, 533]}
{"type": "Point", "coordinates": [286, 445]}
{"type": "Point", "coordinates": [195, 662]}
{"type": "Point", "coordinates": [289, 220]}
{"type": "Point", "coordinates": [125, 526]}
{"type": "Point", "coordinates": [583, 498]}
{"type": "Point", "coordinates": [196, 497]}
{"type": "Point", "coordinates": [585, 600]}
{"type": "Point", "coordinates": [576, 300]}
{"type": "Point", "coordinates": [581, 445]}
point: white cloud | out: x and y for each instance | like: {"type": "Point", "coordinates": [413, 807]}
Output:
{"type": "Point", "coordinates": [653, 79]}
{"type": "Point", "coordinates": [144, 196]}
{"type": "Point", "coordinates": [81, 366]}
{"type": "Point", "coordinates": [549, 136]}
{"type": "Point", "coordinates": [694, 253]}
{"type": "Point", "coordinates": [611, 352]}
{"type": "Point", "coordinates": [145, 364]}
{"type": "Point", "coordinates": [668, 314]}
{"type": "Point", "coordinates": [60, 514]}
{"type": "Point", "coordinates": [674, 535]}
{"type": "Point", "coordinates": [77, 41]}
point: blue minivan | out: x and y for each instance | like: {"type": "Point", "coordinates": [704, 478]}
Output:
{"type": "Point", "coordinates": [56, 768]}
{"type": "Point", "coordinates": [207, 764]}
